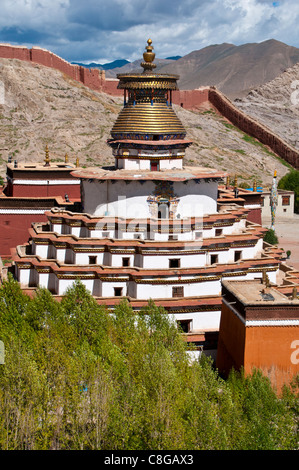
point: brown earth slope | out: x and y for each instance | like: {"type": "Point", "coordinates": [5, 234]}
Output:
{"type": "Point", "coordinates": [42, 106]}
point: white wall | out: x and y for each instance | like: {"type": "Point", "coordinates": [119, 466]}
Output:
{"type": "Point", "coordinates": [130, 200]}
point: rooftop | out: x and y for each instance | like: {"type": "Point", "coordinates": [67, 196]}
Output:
{"type": "Point", "coordinates": [185, 174]}
{"type": "Point", "coordinates": [254, 292]}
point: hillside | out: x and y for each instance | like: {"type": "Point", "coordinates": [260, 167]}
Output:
{"type": "Point", "coordinates": [43, 106]}
{"type": "Point", "coordinates": [276, 104]}
{"type": "Point", "coordinates": [234, 70]}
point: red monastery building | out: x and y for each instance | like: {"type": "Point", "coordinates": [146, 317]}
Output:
{"type": "Point", "coordinates": [259, 329]}
{"type": "Point", "coordinates": [150, 227]}
{"type": "Point", "coordinates": [30, 191]}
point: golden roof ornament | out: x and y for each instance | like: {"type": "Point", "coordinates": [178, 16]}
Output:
{"type": "Point", "coordinates": [66, 158]}
{"type": "Point", "coordinates": [47, 159]}
{"type": "Point", "coordinates": [149, 57]}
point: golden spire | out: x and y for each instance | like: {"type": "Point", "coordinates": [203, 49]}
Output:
{"type": "Point", "coordinates": [77, 162]}
{"type": "Point", "coordinates": [66, 158]}
{"type": "Point", "coordinates": [47, 159]}
{"type": "Point", "coordinates": [236, 181]}
{"type": "Point", "coordinates": [254, 186]}
{"type": "Point", "coordinates": [148, 57]}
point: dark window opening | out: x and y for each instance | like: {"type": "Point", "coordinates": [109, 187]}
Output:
{"type": "Point", "coordinates": [285, 200]}
{"type": "Point", "coordinates": [118, 291]}
{"type": "Point", "coordinates": [178, 291]}
{"type": "Point", "coordinates": [238, 255]}
{"type": "Point", "coordinates": [185, 325]}
{"type": "Point", "coordinates": [156, 137]}
{"type": "Point", "coordinates": [175, 263]}
{"type": "Point", "coordinates": [126, 262]}
{"type": "Point", "coordinates": [92, 260]}
{"type": "Point", "coordinates": [218, 232]}
{"type": "Point", "coordinates": [214, 259]}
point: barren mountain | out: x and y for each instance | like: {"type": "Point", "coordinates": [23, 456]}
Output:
{"type": "Point", "coordinates": [276, 104]}
{"type": "Point", "coordinates": [234, 70]}
{"type": "Point", "coordinates": [42, 106]}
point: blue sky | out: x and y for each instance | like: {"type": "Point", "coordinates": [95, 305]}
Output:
{"type": "Point", "coordinates": [105, 30]}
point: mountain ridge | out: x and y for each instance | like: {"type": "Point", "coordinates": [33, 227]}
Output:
{"type": "Point", "coordinates": [234, 70]}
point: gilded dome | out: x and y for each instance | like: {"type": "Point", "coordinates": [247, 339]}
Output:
{"type": "Point", "coordinates": [147, 113]}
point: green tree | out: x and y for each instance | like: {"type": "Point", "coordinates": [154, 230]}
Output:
{"type": "Point", "coordinates": [79, 377]}
{"type": "Point", "coordinates": [291, 182]}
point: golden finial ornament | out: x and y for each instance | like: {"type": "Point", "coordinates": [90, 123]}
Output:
{"type": "Point", "coordinates": [66, 158]}
{"type": "Point", "coordinates": [47, 159]}
{"type": "Point", "coordinates": [294, 293]}
{"type": "Point", "coordinates": [254, 186]}
{"type": "Point", "coordinates": [148, 57]}
{"type": "Point", "coordinates": [77, 162]}
{"type": "Point", "coordinates": [236, 181]}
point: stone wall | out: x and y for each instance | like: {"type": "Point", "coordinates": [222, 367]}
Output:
{"type": "Point", "coordinates": [91, 78]}
{"type": "Point", "coordinates": [253, 128]}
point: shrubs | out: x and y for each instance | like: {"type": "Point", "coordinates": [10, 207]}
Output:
{"type": "Point", "coordinates": [271, 237]}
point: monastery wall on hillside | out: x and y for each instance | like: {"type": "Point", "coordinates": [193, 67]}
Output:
{"type": "Point", "coordinates": [189, 99]}
{"type": "Point", "coordinates": [253, 128]}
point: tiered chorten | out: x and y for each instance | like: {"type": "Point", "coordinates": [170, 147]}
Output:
{"type": "Point", "coordinates": [150, 228]}
{"type": "Point", "coordinates": [147, 133]}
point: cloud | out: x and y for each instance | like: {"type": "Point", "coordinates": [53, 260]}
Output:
{"type": "Point", "coordinates": [110, 29]}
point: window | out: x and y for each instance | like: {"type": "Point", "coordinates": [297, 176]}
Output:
{"type": "Point", "coordinates": [178, 291]}
{"type": "Point", "coordinates": [105, 234]}
{"type": "Point", "coordinates": [185, 325]}
{"type": "Point", "coordinates": [137, 236]}
{"type": "Point", "coordinates": [92, 260]}
{"type": "Point", "coordinates": [214, 259]}
{"type": "Point", "coordinates": [198, 235]}
{"type": "Point", "coordinates": [285, 200]}
{"type": "Point", "coordinates": [218, 232]}
{"type": "Point", "coordinates": [238, 255]}
{"type": "Point", "coordinates": [173, 237]}
{"type": "Point", "coordinates": [126, 262]}
{"type": "Point", "coordinates": [175, 263]}
{"type": "Point", "coordinates": [118, 291]}
{"type": "Point", "coordinates": [154, 166]}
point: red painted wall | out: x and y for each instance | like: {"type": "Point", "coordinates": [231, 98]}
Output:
{"type": "Point", "coordinates": [14, 230]}
{"type": "Point", "coordinates": [19, 190]}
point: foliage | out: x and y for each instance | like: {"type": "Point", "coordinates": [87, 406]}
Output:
{"type": "Point", "coordinates": [77, 376]}
{"type": "Point", "coordinates": [290, 181]}
{"type": "Point", "coordinates": [271, 237]}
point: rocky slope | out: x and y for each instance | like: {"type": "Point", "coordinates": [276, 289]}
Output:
{"type": "Point", "coordinates": [276, 104]}
{"type": "Point", "coordinates": [42, 106]}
